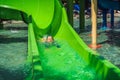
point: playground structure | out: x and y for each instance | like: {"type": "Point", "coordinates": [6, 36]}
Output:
{"type": "Point", "coordinates": [104, 6]}
{"type": "Point", "coordinates": [108, 5]}
{"type": "Point", "coordinates": [53, 21]}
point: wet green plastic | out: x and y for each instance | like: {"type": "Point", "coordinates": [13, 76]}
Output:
{"type": "Point", "coordinates": [48, 17]}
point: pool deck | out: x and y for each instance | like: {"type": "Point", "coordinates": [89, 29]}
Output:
{"type": "Point", "coordinates": [109, 40]}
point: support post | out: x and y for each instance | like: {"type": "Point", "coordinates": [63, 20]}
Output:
{"type": "Point", "coordinates": [70, 11]}
{"type": "Point", "coordinates": [94, 25]}
{"type": "Point", "coordinates": [112, 18]}
{"type": "Point", "coordinates": [104, 24]}
{"type": "Point", "coordinates": [1, 24]}
{"type": "Point", "coordinates": [82, 15]}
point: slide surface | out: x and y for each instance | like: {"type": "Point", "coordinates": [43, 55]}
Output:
{"type": "Point", "coordinates": [67, 57]}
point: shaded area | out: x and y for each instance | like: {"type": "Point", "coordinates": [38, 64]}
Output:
{"type": "Point", "coordinates": [5, 40]}
{"type": "Point", "coordinates": [18, 28]}
{"type": "Point", "coordinates": [13, 52]}
{"type": "Point", "coordinates": [113, 38]}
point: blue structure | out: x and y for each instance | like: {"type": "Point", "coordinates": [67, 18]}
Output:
{"type": "Point", "coordinates": [104, 24]}
{"type": "Point", "coordinates": [111, 5]}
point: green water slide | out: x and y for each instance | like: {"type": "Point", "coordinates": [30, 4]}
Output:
{"type": "Point", "coordinates": [68, 57]}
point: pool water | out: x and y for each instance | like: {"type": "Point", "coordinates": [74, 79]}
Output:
{"type": "Point", "coordinates": [13, 52]}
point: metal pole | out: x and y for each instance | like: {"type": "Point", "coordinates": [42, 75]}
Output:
{"type": "Point", "coordinates": [112, 18]}
{"type": "Point", "coordinates": [70, 11]}
{"type": "Point", "coordinates": [104, 25]}
{"type": "Point", "coordinates": [82, 15]}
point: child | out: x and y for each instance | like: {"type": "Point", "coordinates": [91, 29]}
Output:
{"type": "Point", "coordinates": [76, 10]}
